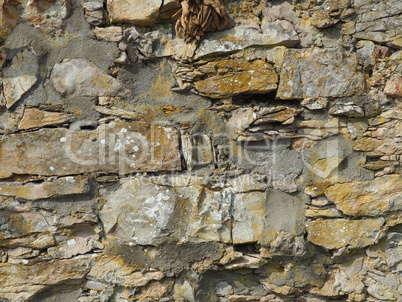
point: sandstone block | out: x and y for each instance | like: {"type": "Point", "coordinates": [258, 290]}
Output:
{"type": "Point", "coordinates": [115, 148]}
{"type": "Point", "coordinates": [35, 118]}
{"type": "Point", "coordinates": [368, 198]}
{"type": "Point", "coordinates": [228, 78]}
{"type": "Point", "coordinates": [110, 34]}
{"type": "Point", "coordinates": [71, 185]}
{"type": "Point", "coordinates": [138, 12]}
{"type": "Point", "coordinates": [338, 233]}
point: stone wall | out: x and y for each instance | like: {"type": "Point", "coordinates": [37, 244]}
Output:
{"type": "Point", "coordinates": [262, 163]}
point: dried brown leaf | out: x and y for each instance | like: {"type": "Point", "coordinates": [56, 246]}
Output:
{"type": "Point", "coordinates": [196, 17]}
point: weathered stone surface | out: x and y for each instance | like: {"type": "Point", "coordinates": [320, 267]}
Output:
{"type": "Point", "coordinates": [110, 34]}
{"type": "Point", "coordinates": [376, 21]}
{"type": "Point", "coordinates": [113, 270]}
{"type": "Point", "coordinates": [47, 15]}
{"type": "Point", "coordinates": [71, 185]}
{"type": "Point", "coordinates": [186, 211]}
{"type": "Point", "coordinates": [247, 261]}
{"type": "Point", "coordinates": [227, 78]}
{"type": "Point", "coordinates": [319, 73]}
{"type": "Point", "coordinates": [160, 43]}
{"type": "Point", "coordinates": [20, 76]}
{"type": "Point", "coordinates": [20, 281]}
{"type": "Point", "coordinates": [316, 213]}
{"type": "Point", "coordinates": [326, 166]}
{"type": "Point", "coordinates": [138, 12]}
{"type": "Point", "coordinates": [82, 243]}
{"type": "Point", "coordinates": [9, 17]}
{"type": "Point", "coordinates": [347, 279]}
{"type": "Point", "coordinates": [240, 37]}
{"type": "Point", "coordinates": [298, 274]}
{"type": "Point", "coordinates": [115, 148]}
{"type": "Point", "coordinates": [385, 288]}
{"type": "Point", "coordinates": [197, 150]}
{"type": "Point", "coordinates": [249, 217]}
{"type": "Point", "coordinates": [126, 114]}
{"type": "Point", "coordinates": [35, 241]}
{"type": "Point", "coordinates": [370, 198]}
{"type": "Point", "coordinates": [394, 87]}
{"type": "Point", "coordinates": [35, 118]}
{"type": "Point", "coordinates": [79, 77]}
{"type": "Point", "coordinates": [338, 233]}
{"type": "Point", "coordinates": [14, 225]}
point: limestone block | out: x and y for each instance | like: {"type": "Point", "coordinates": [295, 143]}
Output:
{"type": "Point", "coordinates": [79, 78]}
{"type": "Point", "coordinates": [138, 12]}
{"type": "Point", "coordinates": [71, 185]}
{"type": "Point", "coordinates": [338, 233]}
{"type": "Point", "coordinates": [115, 148]}
{"type": "Point", "coordinates": [318, 73]}
{"type": "Point", "coordinates": [241, 37]}
{"type": "Point", "coordinates": [110, 34]}
{"type": "Point", "coordinates": [228, 78]}
{"type": "Point", "coordinates": [368, 198]}
{"type": "Point", "coordinates": [249, 212]}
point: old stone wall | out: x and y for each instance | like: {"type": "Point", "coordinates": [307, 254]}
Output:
{"type": "Point", "coordinates": [261, 163]}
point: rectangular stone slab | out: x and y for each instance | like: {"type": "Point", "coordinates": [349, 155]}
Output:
{"type": "Point", "coordinates": [70, 185]}
{"type": "Point", "coordinates": [113, 148]}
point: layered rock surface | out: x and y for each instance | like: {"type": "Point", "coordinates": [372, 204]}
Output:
{"type": "Point", "coordinates": [262, 163]}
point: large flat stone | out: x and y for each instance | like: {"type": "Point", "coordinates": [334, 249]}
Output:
{"type": "Point", "coordinates": [20, 76]}
{"type": "Point", "coordinates": [367, 198]}
{"type": "Point", "coordinates": [338, 233]}
{"type": "Point", "coordinates": [138, 12]}
{"type": "Point", "coordinates": [80, 78]}
{"type": "Point", "coordinates": [115, 148]}
{"type": "Point", "coordinates": [240, 37]}
{"type": "Point", "coordinates": [152, 211]}
{"type": "Point", "coordinates": [319, 73]}
{"type": "Point", "coordinates": [249, 222]}
{"type": "Point", "coordinates": [35, 118]}
{"type": "Point", "coordinates": [144, 212]}
{"type": "Point", "coordinates": [15, 225]}
{"type": "Point", "coordinates": [228, 78]}
{"type": "Point", "coordinates": [71, 185]}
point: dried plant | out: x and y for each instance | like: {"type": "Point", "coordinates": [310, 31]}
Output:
{"type": "Point", "coordinates": [196, 17]}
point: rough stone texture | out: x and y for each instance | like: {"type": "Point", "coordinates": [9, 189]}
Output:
{"type": "Point", "coordinates": [370, 198]}
{"type": "Point", "coordinates": [22, 281]}
{"type": "Point", "coordinates": [261, 163]}
{"type": "Point", "coordinates": [241, 77]}
{"type": "Point", "coordinates": [71, 185]}
{"type": "Point", "coordinates": [339, 233]}
{"type": "Point", "coordinates": [138, 12]}
{"type": "Point", "coordinates": [110, 34]}
{"type": "Point", "coordinates": [319, 73]}
{"type": "Point", "coordinates": [78, 78]}
{"type": "Point", "coordinates": [242, 37]}
{"type": "Point", "coordinates": [34, 118]}
{"type": "Point", "coordinates": [116, 148]}
{"type": "Point", "coordinates": [20, 76]}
